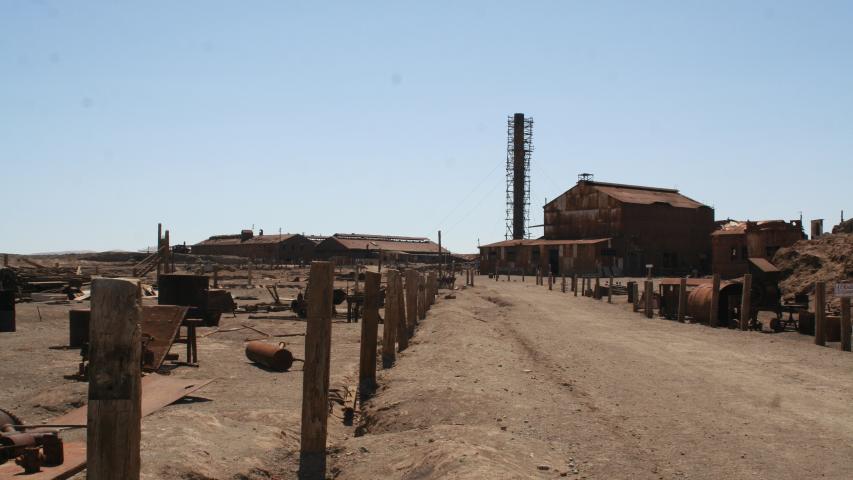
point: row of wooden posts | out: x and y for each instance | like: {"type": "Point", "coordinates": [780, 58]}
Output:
{"type": "Point", "coordinates": [745, 307]}
{"type": "Point", "coordinates": [114, 408]}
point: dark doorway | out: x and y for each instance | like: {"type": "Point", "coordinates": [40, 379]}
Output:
{"type": "Point", "coordinates": [554, 260]}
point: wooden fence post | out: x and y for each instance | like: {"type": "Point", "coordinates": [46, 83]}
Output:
{"type": "Point", "coordinates": [820, 314]}
{"type": "Point", "coordinates": [472, 280]}
{"type": "Point", "coordinates": [411, 301]}
{"type": "Point", "coordinates": [115, 377]}
{"type": "Point", "coordinates": [575, 284]}
{"type": "Point", "coordinates": [682, 299]}
{"type": "Point", "coordinates": [392, 318]}
{"type": "Point", "coordinates": [421, 298]}
{"type": "Point", "coordinates": [402, 324]}
{"type": "Point", "coordinates": [845, 324]}
{"type": "Point", "coordinates": [550, 282]}
{"type": "Point", "coordinates": [650, 293]}
{"type": "Point", "coordinates": [746, 302]}
{"type": "Point", "coordinates": [369, 327]}
{"type": "Point", "coordinates": [714, 320]}
{"type": "Point", "coordinates": [315, 380]}
{"type": "Point", "coordinates": [596, 294]}
{"type": "Point", "coordinates": [563, 285]}
{"type": "Point", "coordinates": [636, 296]}
{"type": "Point", "coordinates": [610, 290]}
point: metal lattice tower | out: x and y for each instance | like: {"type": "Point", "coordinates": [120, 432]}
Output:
{"type": "Point", "coordinates": [519, 146]}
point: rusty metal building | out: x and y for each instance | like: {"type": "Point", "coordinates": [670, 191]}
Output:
{"type": "Point", "coordinates": [607, 228]}
{"type": "Point", "coordinates": [276, 248]}
{"type": "Point", "coordinates": [346, 248]}
{"type": "Point", "coordinates": [735, 243]}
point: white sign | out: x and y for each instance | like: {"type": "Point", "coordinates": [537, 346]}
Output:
{"type": "Point", "coordinates": [844, 290]}
{"type": "Point", "coordinates": [649, 265]}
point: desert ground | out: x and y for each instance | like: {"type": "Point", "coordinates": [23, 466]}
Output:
{"type": "Point", "coordinates": [506, 380]}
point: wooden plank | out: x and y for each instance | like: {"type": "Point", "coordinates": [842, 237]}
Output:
{"type": "Point", "coordinates": [682, 299]}
{"type": "Point", "coordinates": [402, 324]}
{"type": "Point", "coordinates": [315, 379]}
{"type": "Point", "coordinates": [820, 314]}
{"type": "Point", "coordinates": [114, 409]}
{"type": "Point", "coordinates": [845, 324]}
{"type": "Point", "coordinates": [411, 300]}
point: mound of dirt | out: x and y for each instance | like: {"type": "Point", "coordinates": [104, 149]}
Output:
{"type": "Point", "coordinates": [844, 227]}
{"type": "Point", "coordinates": [825, 259]}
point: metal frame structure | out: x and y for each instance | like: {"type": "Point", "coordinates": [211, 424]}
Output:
{"type": "Point", "coordinates": [519, 147]}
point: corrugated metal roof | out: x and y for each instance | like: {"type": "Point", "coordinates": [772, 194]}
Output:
{"type": "Point", "coordinates": [236, 239]}
{"type": "Point", "coordinates": [636, 194]}
{"type": "Point", "coordinates": [352, 241]}
{"type": "Point", "coordinates": [540, 241]}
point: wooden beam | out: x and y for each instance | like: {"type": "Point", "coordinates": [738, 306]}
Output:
{"type": "Point", "coordinates": [845, 324]}
{"type": "Point", "coordinates": [682, 299]}
{"type": "Point", "coordinates": [115, 374]}
{"type": "Point", "coordinates": [315, 381]}
{"type": "Point", "coordinates": [411, 301]}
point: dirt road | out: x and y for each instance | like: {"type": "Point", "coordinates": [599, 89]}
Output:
{"type": "Point", "coordinates": [511, 380]}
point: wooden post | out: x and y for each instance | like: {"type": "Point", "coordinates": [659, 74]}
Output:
{"type": "Point", "coordinates": [507, 275]}
{"type": "Point", "coordinates": [421, 298]}
{"type": "Point", "coordinates": [550, 283]}
{"type": "Point", "coordinates": [315, 379]}
{"type": "Point", "coordinates": [472, 280]}
{"type": "Point", "coordinates": [115, 376]}
{"type": "Point", "coordinates": [596, 294]}
{"type": "Point", "coordinates": [563, 285]}
{"type": "Point", "coordinates": [820, 314]}
{"type": "Point", "coordinates": [369, 326]}
{"type": "Point", "coordinates": [392, 318]}
{"type": "Point", "coordinates": [216, 276]}
{"type": "Point", "coordinates": [636, 296]}
{"type": "Point", "coordinates": [411, 301]}
{"type": "Point", "coordinates": [402, 323]}
{"type": "Point", "coordinates": [167, 253]}
{"type": "Point", "coordinates": [650, 293]}
{"type": "Point", "coordinates": [746, 302]}
{"type": "Point", "coordinates": [610, 290]}
{"type": "Point", "coordinates": [682, 299]}
{"type": "Point", "coordinates": [845, 324]}
{"type": "Point", "coordinates": [715, 301]}
{"type": "Point", "coordinates": [575, 283]}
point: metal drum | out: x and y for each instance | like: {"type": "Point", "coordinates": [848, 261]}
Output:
{"type": "Point", "coordinates": [274, 357]}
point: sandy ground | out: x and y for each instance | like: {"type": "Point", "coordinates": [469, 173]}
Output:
{"type": "Point", "coordinates": [511, 380]}
{"type": "Point", "coordinates": [508, 380]}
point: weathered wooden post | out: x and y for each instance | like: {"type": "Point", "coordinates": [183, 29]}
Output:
{"type": "Point", "coordinates": [845, 324]}
{"type": "Point", "coordinates": [636, 296]}
{"type": "Point", "coordinates": [421, 298]}
{"type": "Point", "coordinates": [168, 253]}
{"type": "Point", "coordinates": [472, 280]}
{"type": "Point", "coordinates": [563, 285]}
{"type": "Point", "coordinates": [402, 323]}
{"type": "Point", "coordinates": [715, 301]}
{"type": "Point", "coordinates": [575, 284]}
{"type": "Point", "coordinates": [411, 301]}
{"type": "Point", "coordinates": [746, 302]}
{"type": "Point", "coordinates": [159, 251]}
{"type": "Point", "coordinates": [115, 376]}
{"type": "Point", "coordinates": [369, 327]}
{"type": "Point", "coordinates": [682, 299]}
{"type": "Point", "coordinates": [315, 380]}
{"type": "Point", "coordinates": [596, 294]}
{"type": "Point", "coordinates": [650, 293]}
{"type": "Point", "coordinates": [216, 276]}
{"type": "Point", "coordinates": [610, 290]}
{"type": "Point", "coordinates": [550, 281]}
{"type": "Point", "coordinates": [820, 314]}
{"type": "Point", "coordinates": [392, 318]}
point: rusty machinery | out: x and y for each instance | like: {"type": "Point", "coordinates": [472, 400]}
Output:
{"type": "Point", "coordinates": [30, 450]}
{"type": "Point", "coordinates": [192, 291]}
{"type": "Point", "coordinates": [300, 303]}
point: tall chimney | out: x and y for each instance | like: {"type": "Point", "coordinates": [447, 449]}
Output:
{"type": "Point", "coordinates": [518, 176]}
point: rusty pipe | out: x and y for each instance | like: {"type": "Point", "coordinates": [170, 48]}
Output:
{"type": "Point", "coordinates": [272, 356]}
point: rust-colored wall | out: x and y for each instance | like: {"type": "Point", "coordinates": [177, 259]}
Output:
{"type": "Point", "coordinates": [753, 243]}
{"type": "Point", "coordinates": [291, 250]}
{"type": "Point", "coordinates": [582, 212]}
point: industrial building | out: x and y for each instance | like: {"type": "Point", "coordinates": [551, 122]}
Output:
{"type": "Point", "coordinates": [608, 228]}
{"type": "Point", "coordinates": [277, 248]}
{"type": "Point", "coordinates": [736, 243]}
{"type": "Point", "coordinates": [347, 248]}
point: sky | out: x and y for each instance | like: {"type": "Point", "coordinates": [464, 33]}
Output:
{"type": "Point", "coordinates": [390, 117]}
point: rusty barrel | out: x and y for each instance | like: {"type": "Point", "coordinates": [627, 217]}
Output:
{"type": "Point", "coordinates": [78, 327]}
{"type": "Point", "coordinates": [274, 357]}
{"type": "Point", "coordinates": [699, 303]}
{"type": "Point", "coordinates": [7, 311]}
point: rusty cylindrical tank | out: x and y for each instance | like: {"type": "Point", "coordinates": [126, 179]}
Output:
{"type": "Point", "coordinates": [78, 327]}
{"type": "Point", "coordinates": [274, 357]}
{"type": "Point", "coordinates": [699, 302]}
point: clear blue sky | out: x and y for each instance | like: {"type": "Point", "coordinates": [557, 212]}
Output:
{"type": "Point", "coordinates": [391, 117]}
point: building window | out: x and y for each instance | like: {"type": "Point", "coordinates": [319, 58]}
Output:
{"type": "Point", "coordinates": [510, 254]}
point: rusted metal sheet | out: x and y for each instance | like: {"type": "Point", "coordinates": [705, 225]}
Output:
{"type": "Point", "coordinates": [158, 391]}
{"type": "Point", "coordinates": [160, 324]}
{"type": "Point", "coordinates": [74, 454]}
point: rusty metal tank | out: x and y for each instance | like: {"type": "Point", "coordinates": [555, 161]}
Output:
{"type": "Point", "coordinates": [699, 302]}
{"type": "Point", "coordinates": [78, 327]}
{"type": "Point", "coordinates": [275, 357]}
